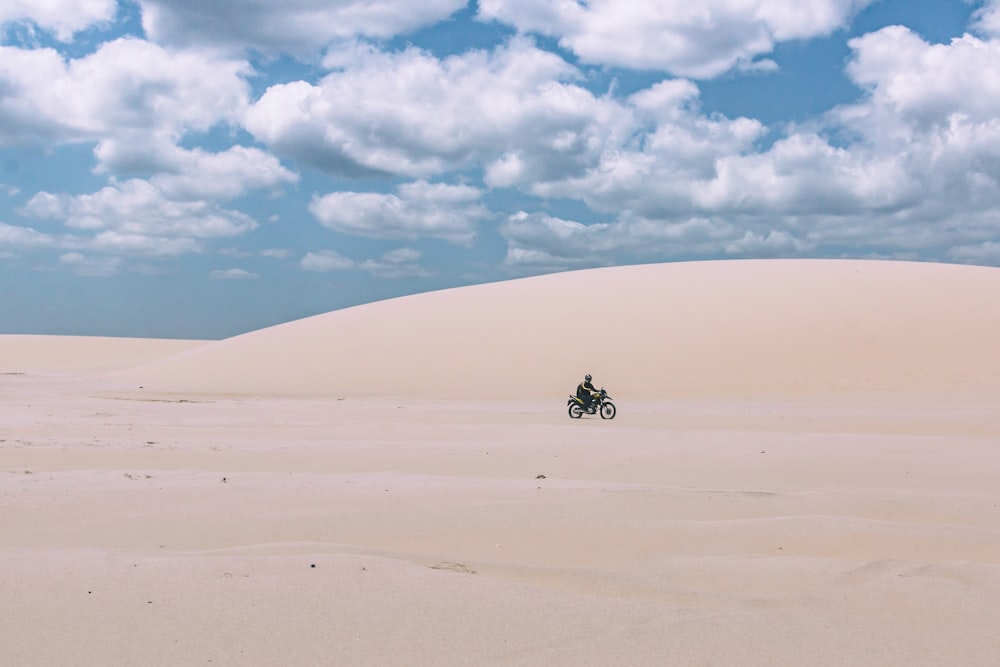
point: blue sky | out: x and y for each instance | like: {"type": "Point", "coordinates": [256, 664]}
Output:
{"type": "Point", "coordinates": [181, 168]}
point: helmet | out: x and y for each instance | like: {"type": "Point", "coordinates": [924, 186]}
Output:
{"type": "Point", "coordinates": [588, 378]}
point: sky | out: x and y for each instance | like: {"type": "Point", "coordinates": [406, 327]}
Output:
{"type": "Point", "coordinates": [196, 169]}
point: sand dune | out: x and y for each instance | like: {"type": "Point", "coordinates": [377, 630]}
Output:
{"type": "Point", "coordinates": [741, 328]}
{"type": "Point", "coordinates": [803, 471]}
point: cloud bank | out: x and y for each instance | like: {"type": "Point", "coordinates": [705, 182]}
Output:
{"type": "Point", "coordinates": [510, 141]}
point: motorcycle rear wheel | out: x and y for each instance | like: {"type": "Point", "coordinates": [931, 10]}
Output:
{"type": "Point", "coordinates": [575, 411]}
{"type": "Point", "coordinates": [608, 410]}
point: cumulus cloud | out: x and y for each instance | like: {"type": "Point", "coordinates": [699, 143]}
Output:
{"type": "Point", "coordinates": [538, 241]}
{"type": "Point", "coordinates": [324, 261]}
{"type": "Point", "coordinates": [26, 237]}
{"type": "Point", "coordinates": [166, 216]}
{"type": "Point", "coordinates": [805, 175]}
{"type": "Point", "coordinates": [136, 217]}
{"type": "Point", "coordinates": [296, 26]}
{"type": "Point", "coordinates": [912, 169]}
{"type": "Point", "coordinates": [880, 173]}
{"type": "Point", "coordinates": [135, 102]}
{"type": "Point", "coordinates": [654, 159]}
{"type": "Point", "coordinates": [920, 84]}
{"type": "Point", "coordinates": [128, 88]}
{"type": "Point", "coordinates": [986, 19]}
{"type": "Point", "coordinates": [700, 40]}
{"type": "Point", "coordinates": [79, 258]}
{"type": "Point", "coordinates": [276, 253]}
{"type": "Point", "coordinates": [63, 18]}
{"type": "Point", "coordinates": [672, 148]}
{"type": "Point", "coordinates": [197, 174]}
{"type": "Point", "coordinates": [393, 264]}
{"type": "Point", "coordinates": [412, 114]}
{"type": "Point", "coordinates": [232, 274]}
{"type": "Point", "coordinates": [396, 264]}
{"type": "Point", "coordinates": [449, 212]}
{"type": "Point", "coordinates": [932, 109]}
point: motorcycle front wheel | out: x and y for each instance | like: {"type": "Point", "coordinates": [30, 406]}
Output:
{"type": "Point", "coordinates": [575, 411]}
{"type": "Point", "coordinates": [608, 410]}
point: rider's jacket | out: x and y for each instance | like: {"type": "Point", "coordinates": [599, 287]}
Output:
{"type": "Point", "coordinates": [584, 389]}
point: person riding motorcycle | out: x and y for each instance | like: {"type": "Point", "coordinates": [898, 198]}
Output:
{"type": "Point", "coordinates": [586, 392]}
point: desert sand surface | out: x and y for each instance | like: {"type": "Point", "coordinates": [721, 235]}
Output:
{"type": "Point", "coordinates": [803, 471]}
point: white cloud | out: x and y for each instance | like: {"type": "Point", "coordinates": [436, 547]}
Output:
{"type": "Point", "coordinates": [26, 110]}
{"type": "Point", "coordinates": [412, 114]}
{"type": "Point", "coordinates": [542, 242]}
{"type": "Point", "coordinates": [326, 260]}
{"type": "Point", "coordinates": [226, 175]}
{"type": "Point", "coordinates": [300, 27]}
{"type": "Point", "coordinates": [193, 173]}
{"type": "Point", "coordinates": [805, 175]}
{"type": "Point", "coordinates": [396, 264]}
{"type": "Point", "coordinates": [692, 39]}
{"type": "Point", "coordinates": [136, 217]}
{"type": "Point", "coordinates": [63, 18]}
{"type": "Point", "coordinates": [115, 241]}
{"type": "Point", "coordinates": [232, 274]}
{"type": "Point", "coordinates": [449, 212]}
{"type": "Point", "coordinates": [545, 242]}
{"type": "Point", "coordinates": [276, 253]}
{"type": "Point", "coordinates": [129, 90]}
{"type": "Point", "coordinates": [932, 110]}
{"type": "Point", "coordinates": [401, 255]}
{"type": "Point", "coordinates": [912, 169]}
{"type": "Point", "coordinates": [136, 101]}
{"type": "Point", "coordinates": [986, 19]}
{"type": "Point", "coordinates": [25, 237]}
{"type": "Point", "coordinates": [909, 168]}
{"type": "Point", "coordinates": [920, 84]}
{"type": "Point", "coordinates": [137, 207]}
{"type": "Point", "coordinates": [672, 149]}
{"type": "Point", "coordinates": [21, 238]}
{"type": "Point", "coordinates": [108, 242]}
{"type": "Point", "coordinates": [899, 169]}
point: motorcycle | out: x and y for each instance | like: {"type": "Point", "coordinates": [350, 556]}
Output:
{"type": "Point", "coordinates": [600, 404]}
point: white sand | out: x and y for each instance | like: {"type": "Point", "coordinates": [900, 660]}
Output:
{"type": "Point", "coordinates": [803, 471]}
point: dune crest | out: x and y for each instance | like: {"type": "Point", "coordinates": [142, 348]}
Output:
{"type": "Point", "coordinates": [717, 328]}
